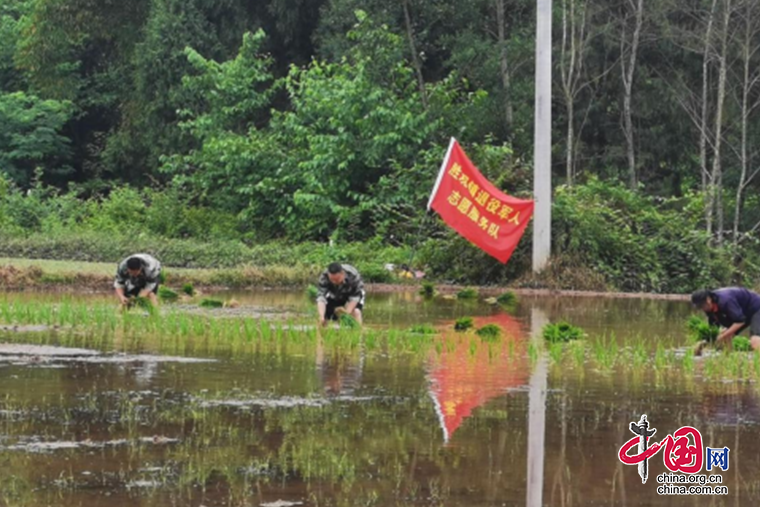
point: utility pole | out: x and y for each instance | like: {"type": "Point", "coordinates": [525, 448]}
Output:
{"type": "Point", "coordinates": [542, 157]}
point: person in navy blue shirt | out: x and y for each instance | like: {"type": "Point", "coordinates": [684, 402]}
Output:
{"type": "Point", "coordinates": [734, 309]}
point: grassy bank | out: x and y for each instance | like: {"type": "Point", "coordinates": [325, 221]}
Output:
{"type": "Point", "coordinates": [44, 274]}
{"type": "Point", "coordinates": [20, 274]}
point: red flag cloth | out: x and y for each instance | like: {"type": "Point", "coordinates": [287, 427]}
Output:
{"type": "Point", "coordinates": [472, 206]}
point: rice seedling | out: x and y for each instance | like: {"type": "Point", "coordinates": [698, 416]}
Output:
{"type": "Point", "coordinates": [211, 303]}
{"type": "Point", "coordinates": [605, 352]}
{"type": "Point", "coordinates": [687, 362]}
{"type": "Point", "coordinates": [427, 290]}
{"type": "Point", "coordinates": [188, 289]}
{"type": "Point", "coordinates": [347, 321]}
{"type": "Point", "coordinates": [167, 295]}
{"type": "Point", "coordinates": [464, 323]}
{"type": "Point", "coordinates": [578, 351]}
{"type": "Point", "coordinates": [489, 332]}
{"type": "Point", "coordinates": [467, 294]}
{"type": "Point", "coordinates": [741, 344]}
{"type": "Point", "coordinates": [562, 332]}
{"type": "Point", "coordinates": [507, 299]}
{"type": "Point", "coordinates": [639, 355]}
{"type": "Point", "coordinates": [700, 330]}
{"type": "Point", "coordinates": [423, 329]}
{"type": "Point", "coordinates": [138, 302]}
{"type": "Point", "coordinates": [660, 359]}
{"type": "Point", "coordinates": [473, 348]}
{"type": "Point", "coordinates": [311, 291]}
{"type": "Point", "coordinates": [556, 351]}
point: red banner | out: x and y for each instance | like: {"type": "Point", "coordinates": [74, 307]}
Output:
{"type": "Point", "coordinates": [476, 209]}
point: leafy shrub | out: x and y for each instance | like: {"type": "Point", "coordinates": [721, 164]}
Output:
{"type": "Point", "coordinates": [605, 237]}
{"type": "Point", "coordinates": [639, 243]}
{"type": "Point", "coordinates": [374, 273]}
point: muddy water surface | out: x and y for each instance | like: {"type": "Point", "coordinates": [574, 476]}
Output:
{"type": "Point", "coordinates": [462, 423]}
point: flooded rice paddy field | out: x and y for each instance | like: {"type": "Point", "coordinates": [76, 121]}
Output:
{"type": "Point", "coordinates": [253, 406]}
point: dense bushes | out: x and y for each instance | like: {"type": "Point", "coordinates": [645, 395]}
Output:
{"type": "Point", "coordinates": [605, 238]}
{"type": "Point", "coordinates": [639, 244]}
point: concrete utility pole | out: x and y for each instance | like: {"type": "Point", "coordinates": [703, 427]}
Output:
{"type": "Point", "coordinates": [542, 156]}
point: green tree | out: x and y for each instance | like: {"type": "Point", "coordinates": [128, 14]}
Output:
{"type": "Point", "coordinates": [11, 13]}
{"type": "Point", "coordinates": [80, 50]}
{"type": "Point", "coordinates": [30, 136]}
{"type": "Point", "coordinates": [230, 156]}
{"type": "Point", "coordinates": [149, 122]}
{"type": "Point", "coordinates": [311, 171]}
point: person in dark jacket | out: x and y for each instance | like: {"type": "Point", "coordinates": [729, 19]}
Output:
{"type": "Point", "coordinates": [734, 309]}
{"type": "Point", "coordinates": [340, 291]}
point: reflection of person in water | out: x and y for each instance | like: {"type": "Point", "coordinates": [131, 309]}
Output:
{"type": "Point", "coordinates": [339, 373]}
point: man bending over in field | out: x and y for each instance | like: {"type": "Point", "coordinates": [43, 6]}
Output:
{"type": "Point", "coordinates": [735, 309]}
{"type": "Point", "coordinates": [138, 276]}
{"type": "Point", "coordinates": [340, 291]}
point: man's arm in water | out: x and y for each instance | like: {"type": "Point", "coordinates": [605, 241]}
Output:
{"type": "Point", "coordinates": [323, 289]}
{"type": "Point", "coordinates": [120, 294]}
{"type": "Point", "coordinates": [726, 336]}
{"type": "Point", "coordinates": [119, 284]}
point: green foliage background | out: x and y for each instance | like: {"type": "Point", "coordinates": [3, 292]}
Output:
{"type": "Point", "coordinates": [216, 133]}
